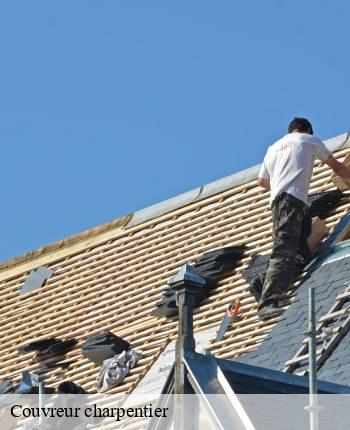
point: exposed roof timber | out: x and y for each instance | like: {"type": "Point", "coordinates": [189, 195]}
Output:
{"type": "Point", "coordinates": [113, 229]}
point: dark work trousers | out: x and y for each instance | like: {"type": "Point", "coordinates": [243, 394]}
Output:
{"type": "Point", "coordinates": [290, 251]}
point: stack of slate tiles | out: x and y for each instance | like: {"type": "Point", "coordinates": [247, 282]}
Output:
{"type": "Point", "coordinates": [212, 266]}
{"type": "Point", "coordinates": [321, 203]}
{"type": "Point", "coordinates": [50, 352]}
{"type": "Point", "coordinates": [219, 263]}
{"type": "Point", "coordinates": [102, 346]}
{"type": "Point", "coordinates": [48, 346]}
{"type": "Point", "coordinates": [166, 307]}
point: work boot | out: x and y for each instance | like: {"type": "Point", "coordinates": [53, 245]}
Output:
{"type": "Point", "coordinates": [270, 310]}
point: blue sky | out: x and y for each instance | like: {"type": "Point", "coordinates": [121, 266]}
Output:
{"type": "Point", "coordinates": [109, 106]}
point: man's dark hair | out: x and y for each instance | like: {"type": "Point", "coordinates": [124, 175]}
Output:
{"type": "Point", "coordinates": [300, 124]}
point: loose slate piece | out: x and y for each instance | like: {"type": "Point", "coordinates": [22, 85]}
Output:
{"type": "Point", "coordinates": [56, 364]}
{"type": "Point", "coordinates": [36, 279]}
{"type": "Point", "coordinates": [102, 346]}
{"type": "Point", "coordinates": [167, 307]}
{"type": "Point", "coordinates": [231, 315]}
{"type": "Point", "coordinates": [322, 203]}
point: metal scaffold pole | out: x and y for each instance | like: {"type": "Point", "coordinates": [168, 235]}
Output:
{"type": "Point", "coordinates": [313, 407]}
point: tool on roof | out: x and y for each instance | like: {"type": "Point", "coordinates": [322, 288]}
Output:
{"type": "Point", "coordinates": [231, 315]}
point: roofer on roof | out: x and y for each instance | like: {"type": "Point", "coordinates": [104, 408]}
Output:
{"type": "Point", "coordinates": [286, 171]}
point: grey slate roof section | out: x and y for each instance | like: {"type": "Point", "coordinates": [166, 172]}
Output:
{"type": "Point", "coordinates": [286, 337]}
{"type": "Point", "coordinates": [337, 367]}
{"type": "Point", "coordinates": [240, 178]}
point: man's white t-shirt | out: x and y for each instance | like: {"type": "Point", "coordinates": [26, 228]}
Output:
{"type": "Point", "coordinates": [289, 162]}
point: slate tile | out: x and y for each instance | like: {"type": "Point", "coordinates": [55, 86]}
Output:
{"type": "Point", "coordinates": [286, 338]}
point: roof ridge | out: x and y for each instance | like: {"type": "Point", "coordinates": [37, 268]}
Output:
{"type": "Point", "coordinates": [154, 211]}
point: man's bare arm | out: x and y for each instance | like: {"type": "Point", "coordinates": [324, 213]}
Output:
{"type": "Point", "coordinates": [339, 169]}
{"type": "Point", "coordinates": [265, 183]}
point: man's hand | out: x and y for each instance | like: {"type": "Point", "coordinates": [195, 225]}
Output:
{"type": "Point", "coordinates": [265, 183]}
{"type": "Point", "coordinates": [339, 169]}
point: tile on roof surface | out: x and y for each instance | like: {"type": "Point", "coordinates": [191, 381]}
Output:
{"type": "Point", "coordinates": [114, 283]}
{"type": "Point", "coordinates": [287, 336]}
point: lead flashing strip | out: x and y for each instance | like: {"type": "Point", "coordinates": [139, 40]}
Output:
{"type": "Point", "coordinates": [236, 179]}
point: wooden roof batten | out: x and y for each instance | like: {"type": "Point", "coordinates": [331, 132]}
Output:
{"type": "Point", "coordinates": [112, 276]}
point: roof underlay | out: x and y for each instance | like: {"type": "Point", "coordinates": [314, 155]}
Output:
{"type": "Point", "coordinates": [110, 279]}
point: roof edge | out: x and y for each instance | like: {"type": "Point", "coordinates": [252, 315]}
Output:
{"type": "Point", "coordinates": [239, 178]}
{"type": "Point", "coordinates": [157, 210]}
{"type": "Point", "coordinates": [70, 241]}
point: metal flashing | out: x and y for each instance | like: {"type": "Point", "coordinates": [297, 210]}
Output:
{"type": "Point", "coordinates": [236, 179]}
{"type": "Point", "coordinates": [187, 273]}
{"type": "Point", "coordinates": [163, 207]}
{"type": "Point", "coordinates": [269, 381]}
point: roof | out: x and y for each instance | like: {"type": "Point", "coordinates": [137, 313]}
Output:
{"type": "Point", "coordinates": [167, 206]}
{"type": "Point", "coordinates": [330, 276]}
{"type": "Point", "coordinates": [249, 379]}
{"type": "Point", "coordinates": [112, 276]}
{"type": "Point", "coordinates": [223, 385]}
